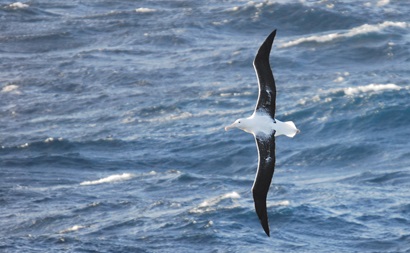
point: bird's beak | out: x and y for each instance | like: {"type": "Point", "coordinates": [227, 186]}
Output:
{"type": "Point", "coordinates": [297, 131]}
{"type": "Point", "coordinates": [229, 127]}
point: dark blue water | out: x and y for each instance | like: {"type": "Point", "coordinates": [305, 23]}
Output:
{"type": "Point", "coordinates": [112, 116]}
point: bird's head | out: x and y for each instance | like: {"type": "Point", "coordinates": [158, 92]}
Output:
{"type": "Point", "coordinates": [239, 123]}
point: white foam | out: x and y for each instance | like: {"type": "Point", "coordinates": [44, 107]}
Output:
{"type": "Point", "coordinates": [232, 195]}
{"type": "Point", "coordinates": [339, 79]}
{"type": "Point", "coordinates": [210, 224]}
{"type": "Point", "coordinates": [282, 203]}
{"type": "Point", "coordinates": [341, 76]}
{"type": "Point", "coordinates": [209, 204]}
{"type": "Point", "coordinates": [350, 91]}
{"type": "Point", "coordinates": [110, 179]}
{"type": "Point", "coordinates": [382, 2]}
{"type": "Point", "coordinates": [218, 23]}
{"type": "Point", "coordinates": [371, 88]}
{"type": "Point", "coordinates": [328, 100]}
{"type": "Point", "coordinates": [72, 229]}
{"type": "Point", "coordinates": [10, 88]}
{"type": "Point", "coordinates": [25, 145]}
{"type": "Point", "coordinates": [145, 10]}
{"type": "Point", "coordinates": [18, 5]}
{"type": "Point", "coordinates": [49, 139]}
{"type": "Point", "coordinates": [363, 29]}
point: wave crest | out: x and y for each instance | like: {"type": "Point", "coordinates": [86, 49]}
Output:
{"type": "Point", "coordinates": [110, 179]}
{"type": "Point", "coordinates": [363, 29]}
{"type": "Point", "coordinates": [370, 88]}
{"type": "Point", "coordinates": [211, 204]}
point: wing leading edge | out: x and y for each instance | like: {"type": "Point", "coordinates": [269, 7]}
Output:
{"type": "Point", "coordinates": [266, 81]}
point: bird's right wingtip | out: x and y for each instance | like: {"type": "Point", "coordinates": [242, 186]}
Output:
{"type": "Point", "coordinates": [260, 207]}
{"type": "Point", "coordinates": [265, 226]}
{"type": "Point", "coordinates": [267, 233]}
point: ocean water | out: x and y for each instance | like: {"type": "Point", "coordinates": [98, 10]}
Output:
{"type": "Point", "coordinates": [112, 118]}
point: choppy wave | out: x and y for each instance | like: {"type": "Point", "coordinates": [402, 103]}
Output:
{"type": "Point", "coordinates": [325, 95]}
{"type": "Point", "coordinates": [363, 29]}
{"type": "Point", "coordinates": [211, 204]}
{"type": "Point", "coordinates": [11, 88]}
{"type": "Point", "coordinates": [110, 179]}
{"type": "Point", "coordinates": [112, 116]}
{"type": "Point", "coordinates": [382, 2]}
{"type": "Point", "coordinates": [72, 229]}
{"type": "Point", "coordinates": [145, 10]}
{"type": "Point", "coordinates": [370, 88]}
{"type": "Point", "coordinates": [18, 5]}
{"type": "Point", "coordinates": [379, 178]}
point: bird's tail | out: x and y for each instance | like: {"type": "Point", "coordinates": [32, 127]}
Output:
{"type": "Point", "coordinates": [291, 130]}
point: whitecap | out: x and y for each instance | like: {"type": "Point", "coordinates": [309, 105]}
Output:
{"type": "Point", "coordinates": [363, 29]}
{"type": "Point", "coordinates": [371, 88]}
{"type": "Point", "coordinates": [328, 100]}
{"type": "Point", "coordinates": [232, 195]}
{"type": "Point", "coordinates": [209, 204]}
{"type": "Point", "coordinates": [25, 145]}
{"type": "Point", "coordinates": [110, 179]}
{"type": "Point", "coordinates": [350, 91]}
{"type": "Point", "coordinates": [49, 139]}
{"type": "Point", "coordinates": [382, 2]}
{"type": "Point", "coordinates": [219, 23]}
{"type": "Point", "coordinates": [281, 203]}
{"type": "Point", "coordinates": [216, 200]}
{"type": "Point", "coordinates": [10, 88]}
{"type": "Point", "coordinates": [339, 79]}
{"type": "Point", "coordinates": [145, 10]}
{"type": "Point", "coordinates": [209, 224]}
{"type": "Point", "coordinates": [18, 5]}
{"type": "Point", "coordinates": [72, 229]}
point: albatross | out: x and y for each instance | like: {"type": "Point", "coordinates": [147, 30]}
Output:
{"type": "Point", "coordinates": [264, 127]}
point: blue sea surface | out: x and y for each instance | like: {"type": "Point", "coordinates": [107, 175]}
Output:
{"type": "Point", "coordinates": [112, 118]}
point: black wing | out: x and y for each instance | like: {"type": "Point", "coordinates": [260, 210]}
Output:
{"type": "Point", "coordinates": [266, 167]}
{"type": "Point", "coordinates": [267, 87]}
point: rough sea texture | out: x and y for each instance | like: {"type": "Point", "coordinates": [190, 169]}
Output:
{"type": "Point", "coordinates": [112, 117]}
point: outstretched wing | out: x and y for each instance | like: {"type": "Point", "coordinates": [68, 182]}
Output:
{"type": "Point", "coordinates": [264, 174]}
{"type": "Point", "coordinates": [267, 87]}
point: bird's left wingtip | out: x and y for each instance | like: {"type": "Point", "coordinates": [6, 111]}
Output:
{"type": "Point", "coordinates": [274, 32]}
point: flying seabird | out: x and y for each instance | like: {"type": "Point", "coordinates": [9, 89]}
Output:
{"type": "Point", "coordinates": [264, 127]}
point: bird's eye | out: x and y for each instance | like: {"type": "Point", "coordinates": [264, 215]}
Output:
{"type": "Point", "coordinates": [239, 122]}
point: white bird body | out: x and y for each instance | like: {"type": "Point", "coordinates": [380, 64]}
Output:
{"type": "Point", "coordinates": [261, 125]}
